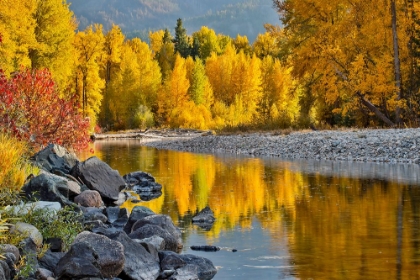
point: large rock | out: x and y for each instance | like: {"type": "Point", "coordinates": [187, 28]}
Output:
{"type": "Point", "coordinates": [147, 231]}
{"type": "Point", "coordinates": [89, 198]}
{"type": "Point", "coordinates": [50, 260]}
{"type": "Point", "coordinates": [111, 257]}
{"type": "Point", "coordinates": [55, 157]}
{"type": "Point", "coordinates": [48, 187]}
{"type": "Point", "coordinates": [99, 176]}
{"type": "Point", "coordinates": [140, 181]}
{"type": "Point", "coordinates": [164, 222]}
{"type": "Point", "coordinates": [139, 264]}
{"type": "Point", "coordinates": [187, 266]}
{"type": "Point", "coordinates": [137, 213]}
{"type": "Point", "coordinates": [81, 261]}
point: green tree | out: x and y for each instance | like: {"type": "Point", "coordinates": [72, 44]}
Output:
{"type": "Point", "coordinates": [180, 41]}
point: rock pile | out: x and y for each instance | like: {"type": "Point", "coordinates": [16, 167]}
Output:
{"type": "Point", "coordinates": [118, 245]}
{"type": "Point", "coordinates": [366, 145]}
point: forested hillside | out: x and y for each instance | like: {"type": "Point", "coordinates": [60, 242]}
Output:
{"type": "Point", "coordinates": [329, 64]}
{"type": "Point", "coordinates": [137, 17]}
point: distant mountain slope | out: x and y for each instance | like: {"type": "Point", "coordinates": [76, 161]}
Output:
{"type": "Point", "coordinates": [232, 17]}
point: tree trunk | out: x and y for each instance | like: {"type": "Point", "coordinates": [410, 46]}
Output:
{"type": "Point", "coordinates": [375, 110]}
{"type": "Point", "coordinates": [397, 68]}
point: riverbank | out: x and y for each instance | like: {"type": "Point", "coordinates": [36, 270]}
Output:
{"type": "Point", "coordinates": [366, 145]}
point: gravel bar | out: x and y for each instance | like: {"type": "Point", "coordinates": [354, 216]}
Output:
{"type": "Point", "coordinates": [365, 145]}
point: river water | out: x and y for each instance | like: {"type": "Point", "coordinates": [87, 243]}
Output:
{"type": "Point", "coordinates": [286, 219]}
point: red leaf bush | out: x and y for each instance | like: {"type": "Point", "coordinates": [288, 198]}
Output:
{"type": "Point", "coordinates": [31, 109]}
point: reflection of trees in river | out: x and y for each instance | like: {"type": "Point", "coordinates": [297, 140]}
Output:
{"type": "Point", "coordinates": [343, 227]}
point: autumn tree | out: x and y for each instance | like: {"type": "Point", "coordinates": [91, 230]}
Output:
{"type": "Point", "coordinates": [341, 58]}
{"type": "Point", "coordinates": [111, 59]}
{"type": "Point", "coordinates": [54, 34]}
{"type": "Point", "coordinates": [87, 81]}
{"type": "Point", "coordinates": [17, 26]}
{"type": "Point", "coordinates": [173, 95]}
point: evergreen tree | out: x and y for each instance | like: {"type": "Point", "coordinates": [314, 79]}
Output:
{"type": "Point", "coordinates": [181, 40]}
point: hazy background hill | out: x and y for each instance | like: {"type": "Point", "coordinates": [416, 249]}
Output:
{"type": "Point", "coordinates": [137, 17]}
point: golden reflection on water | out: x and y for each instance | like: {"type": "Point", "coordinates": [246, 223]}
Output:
{"type": "Point", "coordinates": [335, 227]}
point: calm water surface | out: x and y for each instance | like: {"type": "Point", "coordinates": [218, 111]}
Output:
{"type": "Point", "coordinates": [287, 219]}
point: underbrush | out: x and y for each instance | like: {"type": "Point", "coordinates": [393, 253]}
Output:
{"type": "Point", "coordinates": [14, 168]}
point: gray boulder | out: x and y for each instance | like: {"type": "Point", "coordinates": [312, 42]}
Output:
{"type": "Point", "coordinates": [81, 261]}
{"type": "Point", "coordinates": [147, 231]}
{"type": "Point", "coordinates": [111, 257]}
{"type": "Point", "coordinates": [156, 241]}
{"type": "Point", "coordinates": [99, 176]}
{"type": "Point", "coordinates": [55, 157]}
{"type": "Point", "coordinates": [137, 213]}
{"type": "Point", "coordinates": [50, 260]}
{"type": "Point", "coordinates": [164, 222]}
{"type": "Point", "coordinates": [48, 187]}
{"type": "Point", "coordinates": [5, 273]}
{"type": "Point", "coordinates": [139, 264]}
{"type": "Point", "coordinates": [187, 266]}
{"type": "Point", "coordinates": [140, 181]}
{"type": "Point", "coordinates": [27, 230]}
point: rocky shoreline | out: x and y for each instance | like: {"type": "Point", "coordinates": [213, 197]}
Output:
{"type": "Point", "coordinates": [113, 243]}
{"type": "Point", "coordinates": [364, 145]}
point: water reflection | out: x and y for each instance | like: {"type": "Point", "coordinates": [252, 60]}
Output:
{"type": "Point", "coordinates": [301, 219]}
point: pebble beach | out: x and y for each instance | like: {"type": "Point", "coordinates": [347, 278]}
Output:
{"type": "Point", "coordinates": [364, 145]}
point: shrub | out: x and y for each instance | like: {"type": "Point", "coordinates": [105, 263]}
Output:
{"type": "Point", "coordinates": [31, 109]}
{"type": "Point", "coordinates": [14, 169]}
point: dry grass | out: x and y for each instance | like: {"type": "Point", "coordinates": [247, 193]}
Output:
{"type": "Point", "coordinates": [13, 168]}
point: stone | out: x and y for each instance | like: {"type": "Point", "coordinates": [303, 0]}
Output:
{"type": "Point", "coordinates": [187, 266]}
{"type": "Point", "coordinates": [148, 231]}
{"type": "Point", "coordinates": [4, 271]}
{"type": "Point", "coordinates": [111, 257]}
{"type": "Point", "coordinates": [43, 274]}
{"type": "Point", "coordinates": [165, 223]}
{"type": "Point", "coordinates": [137, 213]}
{"type": "Point", "coordinates": [139, 263]}
{"type": "Point", "coordinates": [204, 219]}
{"type": "Point", "coordinates": [24, 208]}
{"type": "Point", "coordinates": [157, 241]}
{"type": "Point", "coordinates": [28, 250]}
{"type": "Point", "coordinates": [8, 248]}
{"type": "Point", "coordinates": [55, 244]}
{"type": "Point", "coordinates": [48, 187]}
{"type": "Point", "coordinates": [79, 262]}
{"type": "Point", "coordinates": [140, 181]}
{"type": "Point", "coordinates": [27, 230]}
{"type": "Point", "coordinates": [89, 198]}
{"type": "Point", "coordinates": [99, 176]}
{"type": "Point", "coordinates": [55, 157]}
{"type": "Point", "coordinates": [50, 260]}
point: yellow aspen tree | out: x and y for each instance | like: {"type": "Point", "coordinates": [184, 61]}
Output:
{"type": "Point", "coordinates": [150, 76]}
{"type": "Point", "coordinates": [88, 83]}
{"type": "Point", "coordinates": [166, 54]}
{"type": "Point", "coordinates": [219, 72]}
{"type": "Point", "coordinates": [173, 95]}
{"type": "Point", "coordinates": [17, 28]}
{"type": "Point", "coordinates": [111, 60]}
{"type": "Point", "coordinates": [207, 41]}
{"type": "Point", "coordinates": [156, 40]}
{"type": "Point", "coordinates": [241, 43]}
{"type": "Point", "coordinates": [54, 33]}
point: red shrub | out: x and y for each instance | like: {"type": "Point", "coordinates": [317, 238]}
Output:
{"type": "Point", "coordinates": [31, 109]}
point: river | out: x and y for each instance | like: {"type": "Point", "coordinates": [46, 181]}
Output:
{"type": "Point", "coordinates": [286, 219]}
